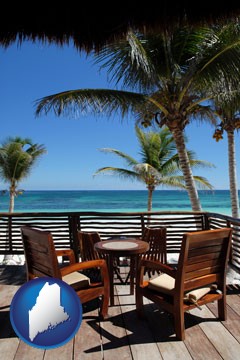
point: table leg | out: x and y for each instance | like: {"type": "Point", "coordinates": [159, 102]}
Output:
{"type": "Point", "coordinates": [132, 273]}
{"type": "Point", "coordinates": [111, 277]}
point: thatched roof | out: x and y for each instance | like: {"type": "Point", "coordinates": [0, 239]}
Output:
{"type": "Point", "coordinates": [91, 25]}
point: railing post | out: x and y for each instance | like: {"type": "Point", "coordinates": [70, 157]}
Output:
{"type": "Point", "coordinates": [142, 223]}
{"type": "Point", "coordinates": [205, 222]}
{"type": "Point", "coordinates": [73, 228]}
{"type": "Point", "coordinates": [10, 233]}
{"type": "Point", "coordinates": [231, 248]}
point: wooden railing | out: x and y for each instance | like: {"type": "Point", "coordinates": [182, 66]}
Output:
{"type": "Point", "coordinates": [64, 226]}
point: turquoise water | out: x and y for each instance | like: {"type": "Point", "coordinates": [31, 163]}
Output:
{"type": "Point", "coordinates": [114, 200]}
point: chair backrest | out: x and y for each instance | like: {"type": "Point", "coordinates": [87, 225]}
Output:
{"type": "Point", "coordinates": [86, 245]}
{"type": "Point", "coordinates": [157, 239]}
{"type": "Point", "coordinates": [40, 255]}
{"type": "Point", "coordinates": [203, 259]}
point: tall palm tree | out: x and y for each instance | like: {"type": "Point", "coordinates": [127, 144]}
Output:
{"type": "Point", "coordinates": [230, 121]}
{"type": "Point", "coordinates": [17, 157]}
{"type": "Point", "coordinates": [173, 77]}
{"type": "Point", "coordinates": [159, 163]}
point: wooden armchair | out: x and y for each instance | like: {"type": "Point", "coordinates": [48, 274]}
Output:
{"type": "Point", "coordinates": [41, 259]}
{"type": "Point", "coordinates": [200, 277]}
{"type": "Point", "coordinates": [157, 239]}
{"type": "Point", "coordinates": [87, 240]}
{"type": "Point", "coordinates": [86, 245]}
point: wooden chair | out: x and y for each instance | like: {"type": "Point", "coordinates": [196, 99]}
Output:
{"type": "Point", "coordinates": [157, 239]}
{"type": "Point", "coordinates": [200, 277]}
{"type": "Point", "coordinates": [86, 245]}
{"type": "Point", "coordinates": [87, 240]}
{"type": "Point", "coordinates": [42, 260]}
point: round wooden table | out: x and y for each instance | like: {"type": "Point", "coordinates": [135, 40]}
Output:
{"type": "Point", "coordinates": [129, 247]}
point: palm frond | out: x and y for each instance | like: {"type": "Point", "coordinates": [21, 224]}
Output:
{"type": "Point", "coordinates": [129, 62]}
{"type": "Point", "coordinates": [129, 159]}
{"type": "Point", "coordinates": [17, 157]}
{"type": "Point", "coordinates": [176, 182]}
{"type": "Point", "coordinates": [83, 101]}
{"type": "Point", "coordinates": [195, 163]}
{"type": "Point", "coordinates": [159, 163]}
{"type": "Point", "coordinates": [122, 173]}
{"type": "Point", "coordinates": [219, 56]}
{"type": "Point", "coordinates": [202, 183]}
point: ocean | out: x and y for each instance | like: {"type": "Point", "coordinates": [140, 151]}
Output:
{"type": "Point", "coordinates": [115, 200]}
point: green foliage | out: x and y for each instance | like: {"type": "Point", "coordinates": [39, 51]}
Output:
{"type": "Point", "coordinates": [159, 162]}
{"type": "Point", "coordinates": [170, 78]}
{"type": "Point", "coordinates": [17, 158]}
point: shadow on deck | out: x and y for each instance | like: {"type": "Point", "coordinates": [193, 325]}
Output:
{"type": "Point", "coordinates": [126, 336]}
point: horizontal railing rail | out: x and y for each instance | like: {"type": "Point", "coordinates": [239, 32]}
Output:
{"type": "Point", "coordinates": [64, 226]}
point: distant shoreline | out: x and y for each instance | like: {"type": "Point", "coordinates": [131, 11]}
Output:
{"type": "Point", "coordinates": [115, 201]}
{"type": "Point", "coordinates": [144, 190]}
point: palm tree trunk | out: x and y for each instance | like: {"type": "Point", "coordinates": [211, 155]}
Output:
{"type": "Point", "coordinates": [186, 169]}
{"type": "Point", "coordinates": [11, 202]}
{"type": "Point", "coordinates": [150, 194]}
{"type": "Point", "coordinates": [232, 174]}
{"type": "Point", "coordinates": [9, 259]}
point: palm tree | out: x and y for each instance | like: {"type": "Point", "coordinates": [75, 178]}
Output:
{"type": "Point", "coordinates": [17, 157]}
{"type": "Point", "coordinates": [230, 121]}
{"type": "Point", "coordinates": [159, 164]}
{"type": "Point", "coordinates": [173, 76]}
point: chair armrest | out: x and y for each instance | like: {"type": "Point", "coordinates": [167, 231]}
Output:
{"type": "Point", "coordinates": [67, 252]}
{"type": "Point", "coordinates": [157, 265]}
{"type": "Point", "coordinates": [100, 263]}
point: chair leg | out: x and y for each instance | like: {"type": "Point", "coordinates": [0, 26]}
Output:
{"type": "Point", "coordinates": [139, 303]}
{"type": "Point", "coordinates": [179, 324]}
{"type": "Point", "coordinates": [104, 307]}
{"type": "Point", "coordinates": [222, 312]}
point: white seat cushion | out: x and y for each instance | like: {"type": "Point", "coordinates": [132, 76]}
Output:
{"type": "Point", "coordinates": [162, 283]}
{"type": "Point", "coordinates": [165, 284]}
{"type": "Point", "coordinates": [76, 280]}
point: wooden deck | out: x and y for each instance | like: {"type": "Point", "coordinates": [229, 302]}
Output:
{"type": "Point", "coordinates": [123, 335]}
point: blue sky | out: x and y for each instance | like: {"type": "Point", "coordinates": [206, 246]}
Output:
{"type": "Point", "coordinates": [34, 70]}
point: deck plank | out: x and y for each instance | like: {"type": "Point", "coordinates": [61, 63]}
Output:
{"type": "Point", "coordinates": [114, 334]}
{"type": "Point", "coordinates": [160, 332]}
{"type": "Point", "coordinates": [174, 350]}
{"type": "Point", "coordinates": [227, 346]}
{"type": "Point", "coordinates": [232, 323]}
{"type": "Point", "coordinates": [234, 302]}
{"type": "Point", "coordinates": [7, 292]}
{"type": "Point", "coordinates": [28, 352]}
{"type": "Point", "coordinates": [63, 352]}
{"type": "Point", "coordinates": [198, 344]}
{"type": "Point", "coordinates": [125, 336]}
{"type": "Point", "coordinates": [8, 348]}
{"type": "Point", "coordinates": [161, 325]}
{"type": "Point", "coordinates": [141, 340]}
{"type": "Point", "coordinates": [88, 337]}
{"type": "Point", "coordinates": [9, 342]}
